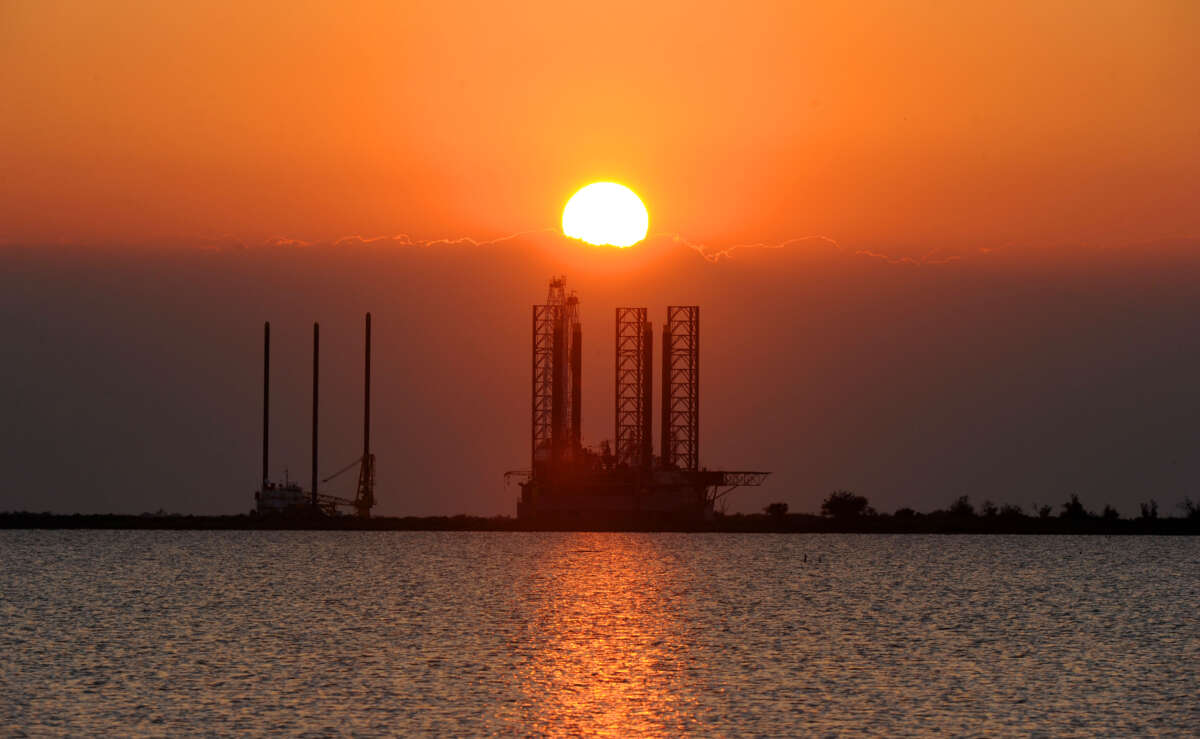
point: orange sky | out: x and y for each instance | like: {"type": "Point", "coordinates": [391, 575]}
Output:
{"type": "Point", "coordinates": [885, 125]}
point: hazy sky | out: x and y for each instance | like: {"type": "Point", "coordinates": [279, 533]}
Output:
{"type": "Point", "coordinates": [132, 380]}
{"type": "Point", "coordinates": [1002, 302]}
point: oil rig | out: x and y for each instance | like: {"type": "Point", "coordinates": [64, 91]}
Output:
{"type": "Point", "coordinates": [287, 498]}
{"type": "Point", "coordinates": [621, 483]}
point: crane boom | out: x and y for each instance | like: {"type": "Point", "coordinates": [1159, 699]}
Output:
{"type": "Point", "coordinates": [343, 470]}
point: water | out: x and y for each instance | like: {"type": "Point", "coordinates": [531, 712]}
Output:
{"type": "Point", "coordinates": [172, 633]}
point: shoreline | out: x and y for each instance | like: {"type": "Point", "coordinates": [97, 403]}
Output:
{"type": "Point", "coordinates": [798, 523]}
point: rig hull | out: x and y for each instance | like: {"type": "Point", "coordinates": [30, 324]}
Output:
{"type": "Point", "coordinates": [624, 497]}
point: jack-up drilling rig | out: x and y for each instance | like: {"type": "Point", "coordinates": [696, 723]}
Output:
{"type": "Point", "coordinates": [288, 498]}
{"type": "Point", "coordinates": [621, 483]}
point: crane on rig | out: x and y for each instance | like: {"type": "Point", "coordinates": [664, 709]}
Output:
{"type": "Point", "coordinates": [364, 496]}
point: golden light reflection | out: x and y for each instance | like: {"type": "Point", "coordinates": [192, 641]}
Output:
{"type": "Point", "coordinates": [609, 652]}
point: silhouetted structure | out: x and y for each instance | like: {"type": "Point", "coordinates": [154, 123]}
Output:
{"type": "Point", "coordinates": [288, 498]}
{"type": "Point", "coordinates": [622, 483]}
{"type": "Point", "coordinates": [364, 496]}
{"type": "Point", "coordinates": [557, 362]}
{"type": "Point", "coordinates": [316, 374]}
{"type": "Point", "coordinates": [681, 394]}
{"type": "Point", "coordinates": [266, 434]}
{"type": "Point", "coordinates": [632, 379]}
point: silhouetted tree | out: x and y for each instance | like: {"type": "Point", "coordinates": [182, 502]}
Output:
{"type": "Point", "coordinates": [905, 513]}
{"type": "Point", "coordinates": [845, 504]}
{"type": "Point", "coordinates": [1043, 511]}
{"type": "Point", "coordinates": [990, 509]}
{"type": "Point", "coordinates": [1008, 510]}
{"type": "Point", "coordinates": [1073, 509]}
{"type": "Point", "coordinates": [1150, 509]}
{"type": "Point", "coordinates": [962, 507]}
{"type": "Point", "coordinates": [776, 509]}
{"type": "Point", "coordinates": [1110, 514]}
{"type": "Point", "coordinates": [1191, 511]}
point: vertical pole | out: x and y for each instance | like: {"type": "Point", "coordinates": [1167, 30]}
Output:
{"type": "Point", "coordinates": [367, 394]}
{"type": "Point", "coordinates": [266, 401]}
{"type": "Point", "coordinates": [533, 392]}
{"type": "Point", "coordinates": [665, 449]}
{"type": "Point", "coordinates": [576, 390]}
{"type": "Point", "coordinates": [316, 377]}
{"type": "Point", "coordinates": [558, 391]}
{"type": "Point", "coordinates": [647, 394]}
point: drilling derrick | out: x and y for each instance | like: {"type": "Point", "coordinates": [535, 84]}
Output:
{"type": "Point", "coordinates": [681, 389]}
{"type": "Point", "coordinates": [557, 352]}
{"type": "Point", "coordinates": [664, 428]}
{"type": "Point", "coordinates": [631, 378]}
{"type": "Point", "coordinates": [545, 319]}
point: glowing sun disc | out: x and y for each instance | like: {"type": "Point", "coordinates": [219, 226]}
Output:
{"type": "Point", "coordinates": [605, 213]}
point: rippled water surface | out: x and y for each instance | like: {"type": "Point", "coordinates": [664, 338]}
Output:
{"type": "Point", "coordinates": [171, 633]}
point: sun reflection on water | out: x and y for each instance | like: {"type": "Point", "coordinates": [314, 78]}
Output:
{"type": "Point", "coordinates": [606, 650]}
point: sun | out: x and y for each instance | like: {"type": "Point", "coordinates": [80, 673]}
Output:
{"type": "Point", "coordinates": [605, 213]}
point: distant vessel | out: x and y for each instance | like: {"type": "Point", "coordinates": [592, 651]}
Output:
{"type": "Point", "coordinates": [280, 497]}
{"type": "Point", "coordinates": [288, 498]}
{"type": "Point", "coordinates": [620, 483]}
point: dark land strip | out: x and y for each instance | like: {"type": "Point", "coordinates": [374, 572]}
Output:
{"type": "Point", "coordinates": [801, 523]}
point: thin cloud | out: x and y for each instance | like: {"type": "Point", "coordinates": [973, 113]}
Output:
{"type": "Point", "coordinates": [408, 241]}
{"type": "Point", "coordinates": [886, 258]}
{"type": "Point", "coordinates": [285, 241]}
{"type": "Point", "coordinates": [399, 240]}
{"type": "Point", "coordinates": [713, 254]}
